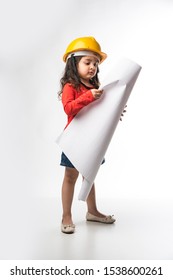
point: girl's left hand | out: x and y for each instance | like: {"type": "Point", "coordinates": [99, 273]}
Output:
{"type": "Point", "coordinates": [122, 114]}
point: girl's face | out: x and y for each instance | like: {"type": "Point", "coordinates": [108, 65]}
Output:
{"type": "Point", "coordinates": [87, 68]}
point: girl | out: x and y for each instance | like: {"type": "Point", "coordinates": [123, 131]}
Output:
{"type": "Point", "coordinates": [79, 88]}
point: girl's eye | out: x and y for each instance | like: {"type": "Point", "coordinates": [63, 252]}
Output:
{"type": "Point", "coordinates": [88, 63]}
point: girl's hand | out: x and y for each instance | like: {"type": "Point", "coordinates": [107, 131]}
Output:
{"type": "Point", "coordinates": [122, 114]}
{"type": "Point", "coordinates": [96, 93]}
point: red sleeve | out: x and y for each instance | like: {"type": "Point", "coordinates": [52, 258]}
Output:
{"type": "Point", "coordinates": [73, 105]}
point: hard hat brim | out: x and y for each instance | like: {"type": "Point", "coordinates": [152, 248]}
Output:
{"type": "Point", "coordinates": [102, 55]}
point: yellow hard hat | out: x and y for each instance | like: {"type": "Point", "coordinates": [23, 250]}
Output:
{"type": "Point", "coordinates": [84, 44]}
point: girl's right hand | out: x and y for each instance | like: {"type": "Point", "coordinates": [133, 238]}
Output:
{"type": "Point", "coordinates": [97, 93]}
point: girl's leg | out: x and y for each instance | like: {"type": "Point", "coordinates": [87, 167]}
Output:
{"type": "Point", "coordinates": [70, 177]}
{"type": "Point", "coordinates": [91, 204]}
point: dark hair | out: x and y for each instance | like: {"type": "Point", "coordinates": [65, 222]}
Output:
{"type": "Point", "coordinates": [71, 75]}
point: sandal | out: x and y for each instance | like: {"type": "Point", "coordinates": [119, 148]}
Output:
{"type": "Point", "coordinates": [105, 220]}
{"type": "Point", "coordinates": [68, 228]}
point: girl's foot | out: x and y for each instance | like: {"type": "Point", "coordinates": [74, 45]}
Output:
{"type": "Point", "coordinates": [67, 225]}
{"type": "Point", "coordinates": [68, 228]}
{"type": "Point", "coordinates": [100, 218]}
{"type": "Point", "coordinates": [97, 213]}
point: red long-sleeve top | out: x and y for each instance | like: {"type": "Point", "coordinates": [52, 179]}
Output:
{"type": "Point", "coordinates": [74, 100]}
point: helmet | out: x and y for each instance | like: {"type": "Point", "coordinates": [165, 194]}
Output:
{"type": "Point", "coordinates": [84, 43]}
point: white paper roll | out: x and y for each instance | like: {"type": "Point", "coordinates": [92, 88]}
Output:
{"type": "Point", "coordinates": [88, 136]}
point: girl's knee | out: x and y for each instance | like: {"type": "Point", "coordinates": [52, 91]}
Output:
{"type": "Point", "coordinates": [71, 174]}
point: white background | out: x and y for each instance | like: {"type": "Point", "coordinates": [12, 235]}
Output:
{"type": "Point", "coordinates": [34, 36]}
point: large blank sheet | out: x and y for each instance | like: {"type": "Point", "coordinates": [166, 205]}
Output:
{"type": "Point", "coordinates": [88, 136]}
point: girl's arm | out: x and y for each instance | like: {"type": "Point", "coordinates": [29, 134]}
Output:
{"type": "Point", "coordinates": [73, 105]}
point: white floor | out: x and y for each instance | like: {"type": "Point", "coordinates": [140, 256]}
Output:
{"type": "Point", "coordinates": [143, 230]}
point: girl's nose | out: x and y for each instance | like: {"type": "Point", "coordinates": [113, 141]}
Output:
{"type": "Point", "coordinates": [92, 66]}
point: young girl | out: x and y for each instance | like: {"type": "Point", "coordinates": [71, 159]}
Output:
{"type": "Point", "coordinates": [79, 88]}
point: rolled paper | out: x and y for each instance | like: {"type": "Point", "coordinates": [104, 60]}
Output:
{"type": "Point", "coordinates": [87, 137]}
